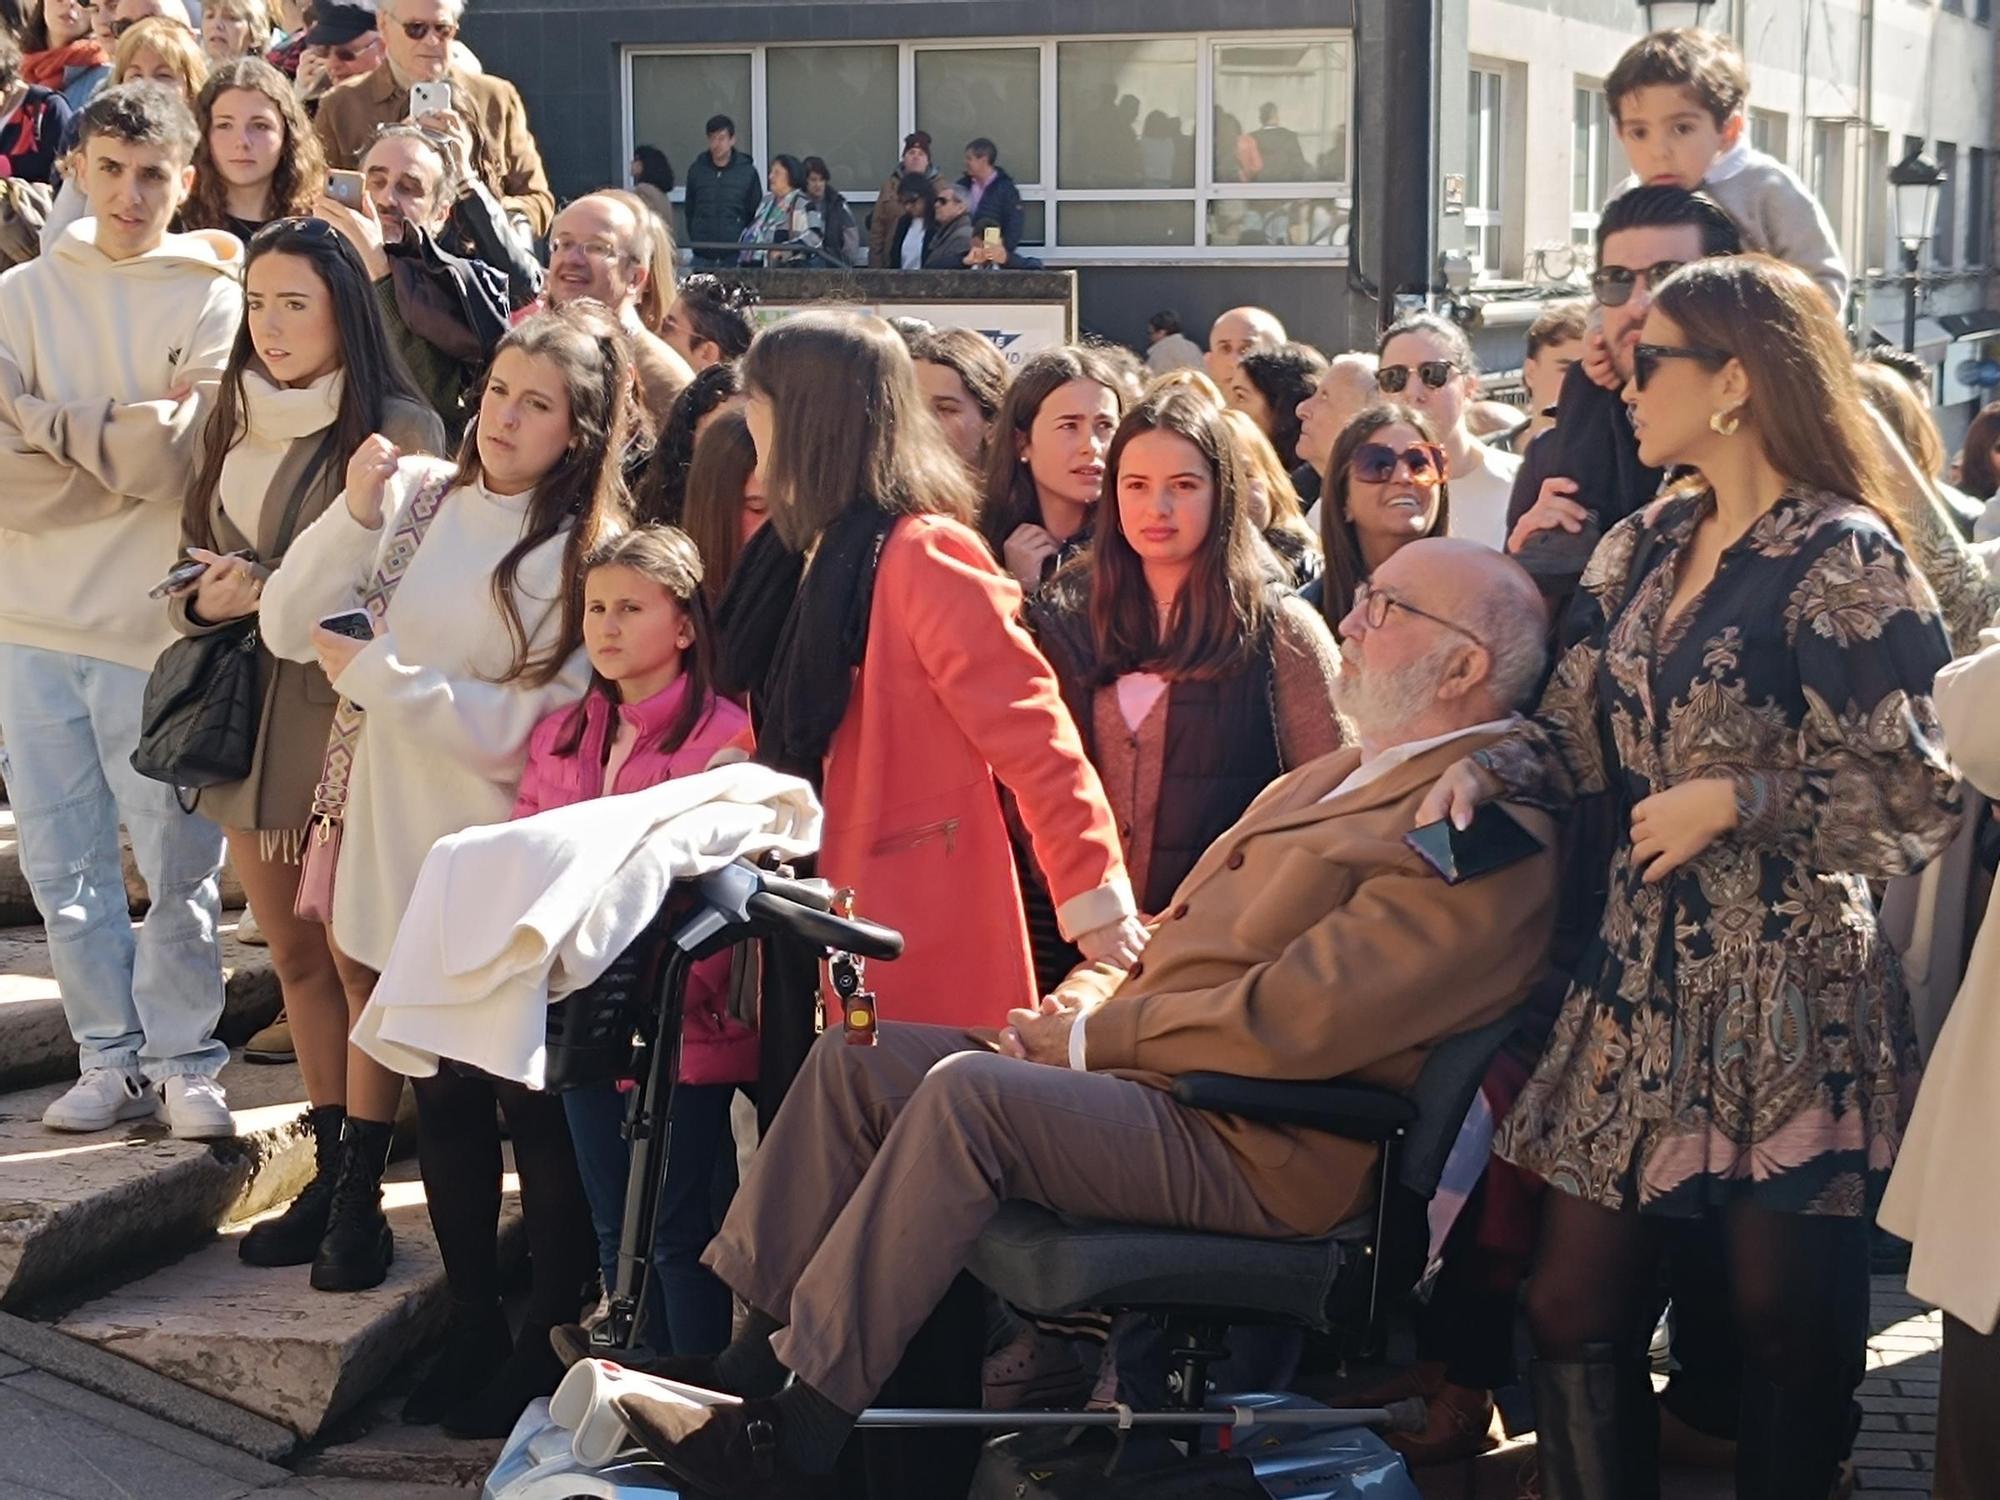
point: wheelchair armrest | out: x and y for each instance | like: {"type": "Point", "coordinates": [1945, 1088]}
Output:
{"type": "Point", "coordinates": [1359, 1111]}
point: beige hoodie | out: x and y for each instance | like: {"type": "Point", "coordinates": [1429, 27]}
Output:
{"type": "Point", "coordinates": [95, 456]}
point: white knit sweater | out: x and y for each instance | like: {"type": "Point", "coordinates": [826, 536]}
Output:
{"type": "Point", "coordinates": [442, 745]}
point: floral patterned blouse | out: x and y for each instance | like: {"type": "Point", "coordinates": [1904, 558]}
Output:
{"type": "Point", "coordinates": [1741, 1027]}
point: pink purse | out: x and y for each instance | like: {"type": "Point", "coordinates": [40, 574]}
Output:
{"type": "Point", "coordinates": [321, 859]}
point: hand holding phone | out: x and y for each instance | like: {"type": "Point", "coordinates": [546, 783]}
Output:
{"type": "Point", "coordinates": [354, 624]}
{"type": "Point", "coordinates": [1494, 840]}
{"type": "Point", "coordinates": [180, 576]}
{"type": "Point", "coordinates": [429, 99]}
{"type": "Point", "coordinates": [347, 189]}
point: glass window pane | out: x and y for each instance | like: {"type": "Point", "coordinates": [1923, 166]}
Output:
{"type": "Point", "coordinates": [1125, 115]}
{"type": "Point", "coordinates": [1127, 223]}
{"type": "Point", "coordinates": [838, 103]}
{"type": "Point", "coordinates": [1277, 221]}
{"type": "Point", "coordinates": [674, 95]}
{"type": "Point", "coordinates": [994, 92]}
{"type": "Point", "coordinates": [1281, 111]}
{"type": "Point", "coordinates": [1034, 223]}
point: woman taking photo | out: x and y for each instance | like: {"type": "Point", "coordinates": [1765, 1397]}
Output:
{"type": "Point", "coordinates": [257, 158]}
{"type": "Point", "coordinates": [479, 642]}
{"type": "Point", "coordinates": [949, 694]}
{"type": "Point", "coordinates": [1194, 677]}
{"type": "Point", "coordinates": [1385, 488]}
{"type": "Point", "coordinates": [725, 501]}
{"type": "Point", "coordinates": [310, 378]}
{"type": "Point", "coordinates": [1427, 363]}
{"type": "Point", "coordinates": [1045, 461]}
{"type": "Point", "coordinates": [1754, 689]}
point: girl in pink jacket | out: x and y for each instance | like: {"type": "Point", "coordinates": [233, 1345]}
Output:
{"type": "Point", "coordinates": [651, 715]}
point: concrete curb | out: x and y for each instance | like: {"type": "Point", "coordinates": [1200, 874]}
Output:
{"type": "Point", "coordinates": [135, 1386]}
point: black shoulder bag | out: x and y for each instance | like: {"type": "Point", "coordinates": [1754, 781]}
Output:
{"type": "Point", "coordinates": [198, 721]}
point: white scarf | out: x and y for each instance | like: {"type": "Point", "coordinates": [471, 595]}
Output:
{"type": "Point", "coordinates": [278, 417]}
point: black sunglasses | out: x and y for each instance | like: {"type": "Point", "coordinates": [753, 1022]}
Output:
{"type": "Point", "coordinates": [416, 31]}
{"type": "Point", "coordinates": [1612, 285]}
{"type": "Point", "coordinates": [1435, 373]}
{"type": "Point", "coordinates": [1375, 463]}
{"type": "Point", "coordinates": [1646, 358]}
{"type": "Point", "coordinates": [311, 228]}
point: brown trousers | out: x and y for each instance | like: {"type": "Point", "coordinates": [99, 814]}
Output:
{"type": "Point", "coordinates": [1968, 1442]}
{"type": "Point", "coordinates": [886, 1162]}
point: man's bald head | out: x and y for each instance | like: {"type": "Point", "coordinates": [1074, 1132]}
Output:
{"type": "Point", "coordinates": [1347, 386]}
{"type": "Point", "coordinates": [1235, 334]}
{"type": "Point", "coordinates": [1464, 642]}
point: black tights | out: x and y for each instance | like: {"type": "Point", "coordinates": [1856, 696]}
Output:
{"type": "Point", "coordinates": [458, 1147]}
{"type": "Point", "coordinates": [1799, 1288]}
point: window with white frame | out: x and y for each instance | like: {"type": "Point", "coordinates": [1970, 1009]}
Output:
{"type": "Point", "coordinates": [1123, 147]}
{"type": "Point", "coordinates": [1590, 166]}
{"type": "Point", "coordinates": [1485, 133]}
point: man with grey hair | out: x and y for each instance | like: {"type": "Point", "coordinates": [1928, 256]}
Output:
{"type": "Point", "coordinates": [1309, 942]}
{"type": "Point", "coordinates": [486, 122]}
{"type": "Point", "coordinates": [1347, 386]}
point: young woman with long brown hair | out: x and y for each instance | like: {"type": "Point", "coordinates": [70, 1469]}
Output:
{"type": "Point", "coordinates": [257, 158]}
{"type": "Point", "coordinates": [1195, 678]}
{"type": "Point", "coordinates": [1386, 487]}
{"type": "Point", "coordinates": [482, 640]}
{"type": "Point", "coordinates": [725, 502]}
{"type": "Point", "coordinates": [1045, 460]}
{"type": "Point", "coordinates": [901, 681]}
{"type": "Point", "coordinates": [1754, 690]}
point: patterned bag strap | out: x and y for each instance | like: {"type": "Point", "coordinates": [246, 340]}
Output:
{"type": "Point", "coordinates": [330, 796]}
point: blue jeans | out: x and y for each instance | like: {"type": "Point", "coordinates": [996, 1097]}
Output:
{"type": "Point", "coordinates": [150, 1002]}
{"type": "Point", "coordinates": [687, 1307]}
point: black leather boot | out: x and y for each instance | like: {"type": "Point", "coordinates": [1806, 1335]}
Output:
{"type": "Point", "coordinates": [293, 1237]}
{"type": "Point", "coordinates": [1791, 1437]}
{"type": "Point", "coordinates": [355, 1253]}
{"type": "Point", "coordinates": [476, 1343]}
{"type": "Point", "coordinates": [1591, 1441]}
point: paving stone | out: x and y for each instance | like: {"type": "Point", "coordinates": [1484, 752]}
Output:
{"type": "Point", "coordinates": [264, 1339]}
{"type": "Point", "coordinates": [72, 1445]}
{"type": "Point", "coordinates": [73, 1207]}
{"type": "Point", "coordinates": [1872, 1480]}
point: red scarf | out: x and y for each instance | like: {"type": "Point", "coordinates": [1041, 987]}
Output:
{"type": "Point", "coordinates": [49, 68]}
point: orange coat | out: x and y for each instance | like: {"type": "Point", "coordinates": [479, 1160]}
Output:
{"type": "Point", "coordinates": [951, 693]}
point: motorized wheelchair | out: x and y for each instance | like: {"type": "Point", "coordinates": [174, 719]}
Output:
{"type": "Point", "coordinates": [1195, 1285]}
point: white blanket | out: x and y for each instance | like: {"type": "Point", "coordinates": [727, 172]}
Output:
{"type": "Point", "coordinates": [507, 917]}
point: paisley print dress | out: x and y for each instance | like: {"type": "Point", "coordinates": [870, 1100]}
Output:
{"type": "Point", "coordinates": [1741, 1027]}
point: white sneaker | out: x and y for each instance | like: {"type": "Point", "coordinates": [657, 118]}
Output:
{"type": "Point", "coordinates": [99, 1100]}
{"type": "Point", "coordinates": [195, 1108]}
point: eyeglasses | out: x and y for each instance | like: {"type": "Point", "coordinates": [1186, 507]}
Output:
{"type": "Point", "coordinates": [1375, 605]}
{"type": "Point", "coordinates": [1435, 373]}
{"type": "Point", "coordinates": [1612, 285]}
{"type": "Point", "coordinates": [352, 54]}
{"type": "Point", "coordinates": [562, 244]}
{"type": "Point", "coordinates": [1646, 358]}
{"type": "Point", "coordinates": [1375, 463]}
{"type": "Point", "coordinates": [416, 31]}
{"type": "Point", "coordinates": [317, 229]}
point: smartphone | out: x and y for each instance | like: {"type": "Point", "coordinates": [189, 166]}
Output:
{"type": "Point", "coordinates": [429, 98]}
{"type": "Point", "coordinates": [355, 624]}
{"type": "Point", "coordinates": [347, 188]}
{"type": "Point", "coordinates": [1495, 840]}
{"type": "Point", "coordinates": [182, 575]}
{"type": "Point", "coordinates": [993, 240]}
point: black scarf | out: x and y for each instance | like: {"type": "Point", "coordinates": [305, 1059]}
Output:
{"type": "Point", "coordinates": [793, 642]}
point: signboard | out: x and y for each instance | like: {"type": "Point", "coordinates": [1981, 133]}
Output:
{"type": "Point", "coordinates": [1017, 329]}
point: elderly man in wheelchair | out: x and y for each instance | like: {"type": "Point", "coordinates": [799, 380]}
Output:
{"type": "Point", "coordinates": [1206, 1130]}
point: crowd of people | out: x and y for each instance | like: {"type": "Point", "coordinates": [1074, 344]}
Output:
{"type": "Point", "coordinates": [1120, 681]}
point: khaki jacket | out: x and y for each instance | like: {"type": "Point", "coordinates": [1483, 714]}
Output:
{"type": "Point", "coordinates": [298, 702]}
{"type": "Point", "coordinates": [1310, 942]}
{"type": "Point", "coordinates": [504, 153]}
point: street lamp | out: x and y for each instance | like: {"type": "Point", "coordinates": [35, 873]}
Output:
{"type": "Point", "coordinates": [1914, 182]}
{"type": "Point", "coordinates": [1663, 15]}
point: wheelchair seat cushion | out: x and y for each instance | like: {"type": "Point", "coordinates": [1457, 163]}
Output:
{"type": "Point", "coordinates": [1049, 1265]}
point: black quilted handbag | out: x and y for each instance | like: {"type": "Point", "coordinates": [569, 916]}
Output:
{"type": "Point", "coordinates": [198, 721]}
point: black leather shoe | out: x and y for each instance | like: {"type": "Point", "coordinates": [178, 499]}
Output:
{"type": "Point", "coordinates": [357, 1248]}
{"type": "Point", "coordinates": [292, 1239]}
{"type": "Point", "coordinates": [732, 1456]}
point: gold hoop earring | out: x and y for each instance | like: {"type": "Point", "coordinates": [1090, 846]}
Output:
{"type": "Point", "coordinates": [1726, 422]}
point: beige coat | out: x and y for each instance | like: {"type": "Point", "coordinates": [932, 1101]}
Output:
{"type": "Point", "coordinates": [298, 703]}
{"type": "Point", "coordinates": [1309, 942]}
{"type": "Point", "coordinates": [1945, 1195]}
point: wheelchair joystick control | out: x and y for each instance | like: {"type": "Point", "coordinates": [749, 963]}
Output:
{"type": "Point", "coordinates": [848, 972]}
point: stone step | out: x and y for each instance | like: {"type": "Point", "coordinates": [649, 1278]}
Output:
{"type": "Point", "coordinates": [17, 905]}
{"type": "Point", "coordinates": [264, 1339]}
{"type": "Point", "coordinates": [78, 1209]}
{"type": "Point", "coordinates": [35, 1044]}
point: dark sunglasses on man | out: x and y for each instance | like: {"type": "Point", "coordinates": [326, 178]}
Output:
{"type": "Point", "coordinates": [1647, 358]}
{"type": "Point", "coordinates": [1375, 463]}
{"type": "Point", "coordinates": [1612, 285]}
{"type": "Point", "coordinates": [416, 31]}
{"type": "Point", "coordinates": [1435, 373]}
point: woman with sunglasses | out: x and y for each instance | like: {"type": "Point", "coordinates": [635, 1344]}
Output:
{"type": "Point", "coordinates": [1427, 362]}
{"type": "Point", "coordinates": [1196, 677]}
{"type": "Point", "coordinates": [1753, 689]}
{"type": "Point", "coordinates": [256, 158]}
{"type": "Point", "coordinates": [1386, 487]}
{"type": "Point", "coordinates": [1045, 460]}
{"type": "Point", "coordinates": [311, 375]}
